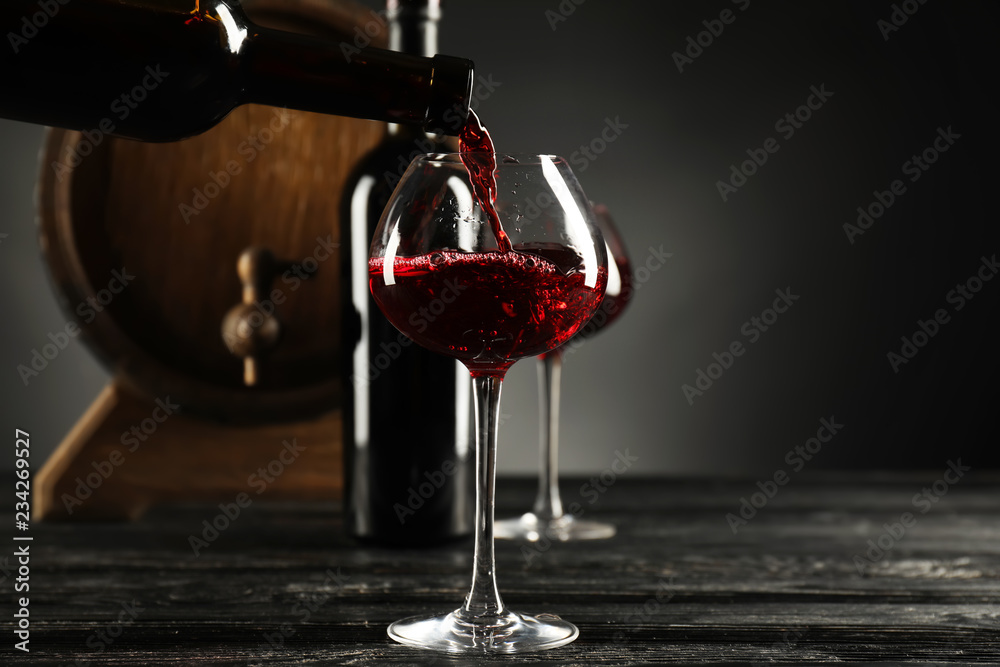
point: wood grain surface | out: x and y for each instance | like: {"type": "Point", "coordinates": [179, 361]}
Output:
{"type": "Point", "coordinates": [282, 585]}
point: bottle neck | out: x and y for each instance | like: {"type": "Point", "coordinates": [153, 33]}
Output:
{"type": "Point", "coordinates": [310, 74]}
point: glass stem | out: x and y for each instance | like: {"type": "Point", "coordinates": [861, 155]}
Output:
{"type": "Point", "coordinates": [548, 504]}
{"type": "Point", "coordinates": [484, 600]}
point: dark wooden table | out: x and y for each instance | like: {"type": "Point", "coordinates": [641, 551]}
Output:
{"type": "Point", "coordinates": [283, 586]}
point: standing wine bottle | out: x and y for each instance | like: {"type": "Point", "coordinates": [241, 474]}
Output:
{"type": "Point", "coordinates": [162, 70]}
{"type": "Point", "coordinates": [407, 410]}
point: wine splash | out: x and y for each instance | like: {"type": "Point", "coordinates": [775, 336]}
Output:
{"type": "Point", "coordinates": [479, 157]}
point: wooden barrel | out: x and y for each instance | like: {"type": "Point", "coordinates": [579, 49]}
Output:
{"type": "Point", "coordinates": [142, 241]}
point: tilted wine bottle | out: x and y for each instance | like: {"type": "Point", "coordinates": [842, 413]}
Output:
{"type": "Point", "coordinates": [162, 70]}
{"type": "Point", "coordinates": [407, 412]}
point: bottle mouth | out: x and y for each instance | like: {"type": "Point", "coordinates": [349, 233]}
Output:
{"type": "Point", "coordinates": [451, 94]}
{"type": "Point", "coordinates": [420, 9]}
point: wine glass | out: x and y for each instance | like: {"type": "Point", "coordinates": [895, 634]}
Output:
{"type": "Point", "coordinates": [487, 292]}
{"type": "Point", "coordinates": [548, 518]}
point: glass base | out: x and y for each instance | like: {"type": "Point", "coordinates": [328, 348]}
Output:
{"type": "Point", "coordinates": [567, 528]}
{"type": "Point", "coordinates": [509, 632]}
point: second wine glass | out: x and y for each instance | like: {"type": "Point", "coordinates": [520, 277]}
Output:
{"type": "Point", "coordinates": [548, 518]}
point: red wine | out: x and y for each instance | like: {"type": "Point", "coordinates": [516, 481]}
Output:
{"type": "Point", "coordinates": [620, 290]}
{"type": "Point", "coordinates": [480, 159]}
{"type": "Point", "coordinates": [619, 293]}
{"type": "Point", "coordinates": [485, 309]}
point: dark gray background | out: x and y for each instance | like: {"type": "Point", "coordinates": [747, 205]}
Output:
{"type": "Point", "coordinates": [783, 229]}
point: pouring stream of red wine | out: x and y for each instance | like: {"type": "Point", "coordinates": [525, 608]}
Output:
{"type": "Point", "coordinates": [479, 158]}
